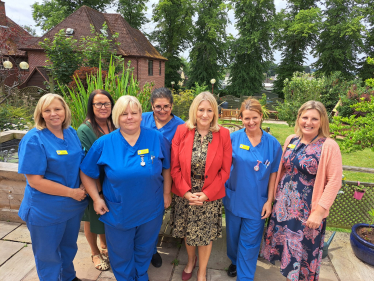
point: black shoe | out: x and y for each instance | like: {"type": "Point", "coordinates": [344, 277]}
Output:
{"type": "Point", "coordinates": [76, 279]}
{"type": "Point", "coordinates": [156, 260]}
{"type": "Point", "coordinates": [232, 270]}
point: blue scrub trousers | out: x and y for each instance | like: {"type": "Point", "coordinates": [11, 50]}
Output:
{"type": "Point", "coordinates": [130, 251]}
{"type": "Point", "coordinates": [54, 248]}
{"type": "Point", "coordinates": [243, 244]}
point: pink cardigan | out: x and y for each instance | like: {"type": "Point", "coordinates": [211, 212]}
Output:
{"type": "Point", "coordinates": [328, 178]}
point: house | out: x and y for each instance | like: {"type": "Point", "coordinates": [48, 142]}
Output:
{"type": "Point", "coordinates": [148, 63]}
{"type": "Point", "coordinates": [12, 37]}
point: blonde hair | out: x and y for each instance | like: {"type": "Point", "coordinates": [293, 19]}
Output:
{"type": "Point", "coordinates": [44, 102]}
{"type": "Point", "coordinates": [252, 105]}
{"type": "Point", "coordinates": [324, 128]}
{"type": "Point", "coordinates": [121, 106]}
{"type": "Point", "coordinates": [191, 122]}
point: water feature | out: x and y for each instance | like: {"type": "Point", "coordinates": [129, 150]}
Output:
{"type": "Point", "coordinates": [9, 151]}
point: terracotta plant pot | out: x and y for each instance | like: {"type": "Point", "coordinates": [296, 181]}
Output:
{"type": "Point", "coordinates": [358, 194]}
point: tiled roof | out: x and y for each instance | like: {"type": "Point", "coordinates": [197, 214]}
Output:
{"type": "Point", "coordinates": [43, 72]}
{"type": "Point", "coordinates": [132, 41]}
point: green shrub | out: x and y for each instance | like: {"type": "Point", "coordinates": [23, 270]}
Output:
{"type": "Point", "coordinates": [182, 103]}
{"type": "Point", "coordinates": [14, 118]}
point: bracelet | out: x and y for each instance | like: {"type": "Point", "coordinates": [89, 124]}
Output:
{"type": "Point", "coordinates": [100, 192]}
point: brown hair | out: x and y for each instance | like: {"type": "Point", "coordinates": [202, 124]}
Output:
{"type": "Point", "coordinates": [250, 104]}
{"type": "Point", "coordinates": [324, 129]}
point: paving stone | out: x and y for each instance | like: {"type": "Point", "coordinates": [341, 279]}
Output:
{"type": "Point", "coordinates": [212, 274]}
{"type": "Point", "coordinates": [18, 266]}
{"type": "Point", "coordinates": [107, 275]}
{"type": "Point", "coordinates": [21, 234]}
{"type": "Point", "coordinates": [8, 249]}
{"type": "Point", "coordinates": [31, 276]}
{"type": "Point", "coordinates": [168, 249]}
{"type": "Point", "coordinates": [7, 227]}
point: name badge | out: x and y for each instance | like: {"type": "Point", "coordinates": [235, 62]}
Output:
{"type": "Point", "coordinates": [61, 152]}
{"type": "Point", "coordinates": [292, 146]}
{"type": "Point", "coordinates": [143, 151]}
{"type": "Point", "coordinates": [245, 147]}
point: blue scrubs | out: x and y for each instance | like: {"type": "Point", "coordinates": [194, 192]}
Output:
{"type": "Point", "coordinates": [246, 194]}
{"type": "Point", "coordinates": [53, 221]}
{"type": "Point", "coordinates": [134, 196]}
{"type": "Point", "coordinates": [168, 131]}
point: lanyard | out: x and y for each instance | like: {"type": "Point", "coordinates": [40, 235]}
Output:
{"type": "Point", "coordinates": [101, 129]}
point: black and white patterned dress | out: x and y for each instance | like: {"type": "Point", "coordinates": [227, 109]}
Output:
{"type": "Point", "coordinates": [199, 224]}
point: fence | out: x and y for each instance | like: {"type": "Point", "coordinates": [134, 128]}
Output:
{"type": "Point", "coordinates": [347, 211]}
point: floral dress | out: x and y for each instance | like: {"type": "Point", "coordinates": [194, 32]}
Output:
{"type": "Point", "coordinates": [298, 247]}
{"type": "Point", "coordinates": [199, 224]}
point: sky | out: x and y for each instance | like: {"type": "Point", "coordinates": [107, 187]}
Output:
{"type": "Point", "coordinates": [20, 12]}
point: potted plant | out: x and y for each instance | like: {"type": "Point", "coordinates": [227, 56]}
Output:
{"type": "Point", "coordinates": [362, 240]}
{"type": "Point", "coordinates": [359, 191]}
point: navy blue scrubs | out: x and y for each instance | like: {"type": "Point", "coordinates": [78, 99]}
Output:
{"type": "Point", "coordinates": [246, 194]}
{"type": "Point", "coordinates": [53, 221]}
{"type": "Point", "coordinates": [168, 131]}
{"type": "Point", "coordinates": [134, 196]}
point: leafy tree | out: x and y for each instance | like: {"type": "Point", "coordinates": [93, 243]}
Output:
{"type": "Point", "coordinates": [296, 29]}
{"type": "Point", "coordinates": [250, 51]}
{"type": "Point", "coordinates": [30, 30]}
{"type": "Point", "coordinates": [52, 12]}
{"type": "Point", "coordinates": [172, 34]}
{"type": "Point", "coordinates": [186, 66]}
{"type": "Point", "coordinates": [340, 39]}
{"type": "Point", "coordinates": [208, 54]}
{"type": "Point", "coordinates": [271, 68]}
{"type": "Point", "coordinates": [133, 11]}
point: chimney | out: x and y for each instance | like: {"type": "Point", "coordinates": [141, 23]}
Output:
{"type": "Point", "coordinates": [3, 20]}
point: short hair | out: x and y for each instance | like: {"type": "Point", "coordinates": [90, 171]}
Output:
{"type": "Point", "coordinates": [121, 106]}
{"type": "Point", "coordinates": [160, 93]}
{"type": "Point", "coordinates": [44, 102]}
{"type": "Point", "coordinates": [324, 128]}
{"type": "Point", "coordinates": [250, 104]}
{"type": "Point", "coordinates": [90, 112]}
{"type": "Point", "coordinates": [191, 122]}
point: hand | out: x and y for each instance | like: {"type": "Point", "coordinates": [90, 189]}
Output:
{"type": "Point", "coordinates": [202, 196]}
{"type": "Point", "coordinates": [82, 187]}
{"type": "Point", "coordinates": [100, 207]}
{"type": "Point", "coordinates": [314, 220]}
{"type": "Point", "coordinates": [77, 194]}
{"type": "Point", "coordinates": [193, 199]}
{"type": "Point", "coordinates": [266, 210]}
{"type": "Point", "coordinates": [167, 200]}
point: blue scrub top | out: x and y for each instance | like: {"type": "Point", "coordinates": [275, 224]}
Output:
{"type": "Point", "coordinates": [246, 189]}
{"type": "Point", "coordinates": [133, 193]}
{"type": "Point", "coordinates": [42, 153]}
{"type": "Point", "coordinates": [168, 130]}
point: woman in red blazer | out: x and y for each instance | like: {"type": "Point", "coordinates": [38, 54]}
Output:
{"type": "Point", "coordinates": [200, 165]}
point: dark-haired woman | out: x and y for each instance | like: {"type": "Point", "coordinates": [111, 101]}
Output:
{"type": "Point", "coordinates": [162, 120]}
{"type": "Point", "coordinates": [98, 123]}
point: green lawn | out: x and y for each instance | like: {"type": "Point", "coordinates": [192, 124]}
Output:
{"type": "Point", "coordinates": [364, 158]}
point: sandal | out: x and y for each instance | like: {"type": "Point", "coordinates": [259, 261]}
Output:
{"type": "Point", "coordinates": [103, 265]}
{"type": "Point", "coordinates": [104, 253]}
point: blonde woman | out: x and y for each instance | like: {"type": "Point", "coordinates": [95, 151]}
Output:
{"type": "Point", "coordinates": [309, 177]}
{"type": "Point", "coordinates": [201, 160]}
{"type": "Point", "coordinates": [53, 204]}
{"type": "Point", "coordinates": [135, 161]}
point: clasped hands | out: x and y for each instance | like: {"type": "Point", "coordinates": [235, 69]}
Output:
{"type": "Point", "coordinates": [78, 194]}
{"type": "Point", "coordinates": [196, 199]}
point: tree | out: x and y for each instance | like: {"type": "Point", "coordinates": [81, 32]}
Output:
{"type": "Point", "coordinates": [52, 12]}
{"type": "Point", "coordinates": [133, 11]}
{"type": "Point", "coordinates": [208, 54]}
{"type": "Point", "coordinates": [296, 30]}
{"type": "Point", "coordinates": [250, 51]}
{"type": "Point", "coordinates": [271, 68]}
{"type": "Point", "coordinates": [340, 38]}
{"type": "Point", "coordinates": [172, 34]}
{"type": "Point", "coordinates": [30, 30]}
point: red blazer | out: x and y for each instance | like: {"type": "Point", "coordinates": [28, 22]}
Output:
{"type": "Point", "coordinates": [217, 168]}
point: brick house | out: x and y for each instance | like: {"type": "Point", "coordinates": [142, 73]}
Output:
{"type": "Point", "coordinates": [148, 63]}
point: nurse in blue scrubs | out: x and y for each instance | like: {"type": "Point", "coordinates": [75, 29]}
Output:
{"type": "Point", "coordinates": [249, 190]}
{"type": "Point", "coordinates": [136, 164]}
{"type": "Point", "coordinates": [54, 201]}
{"type": "Point", "coordinates": [162, 120]}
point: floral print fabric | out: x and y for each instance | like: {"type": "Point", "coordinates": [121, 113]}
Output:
{"type": "Point", "coordinates": [287, 239]}
{"type": "Point", "coordinates": [199, 224]}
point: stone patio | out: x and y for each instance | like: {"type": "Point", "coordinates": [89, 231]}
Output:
{"type": "Point", "coordinates": [17, 261]}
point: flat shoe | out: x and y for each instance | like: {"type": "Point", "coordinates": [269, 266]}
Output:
{"type": "Point", "coordinates": [104, 253]}
{"type": "Point", "coordinates": [187, 276]}
{"type": "Point", "coordinates": [103, 265]}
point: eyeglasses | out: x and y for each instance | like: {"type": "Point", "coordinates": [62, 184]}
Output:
{"type": "Point", "coordinates": [100, 105]}
{"type": "Point", "coordinates": [166, 108]}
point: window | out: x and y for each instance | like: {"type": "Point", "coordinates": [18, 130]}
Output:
{"type": "Point", "coordinates": [150, 67]}
{"type": "Point", "coordinates": [159, 68]}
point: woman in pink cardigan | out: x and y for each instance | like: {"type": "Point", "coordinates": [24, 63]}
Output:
{"type": "Point", "coordinates": [309, 177]}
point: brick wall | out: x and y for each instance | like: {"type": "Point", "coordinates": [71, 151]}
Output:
{"type": "Point", "coordinates": [159, 80]}
{"type": "Point", "coordinates": [36, 58]}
